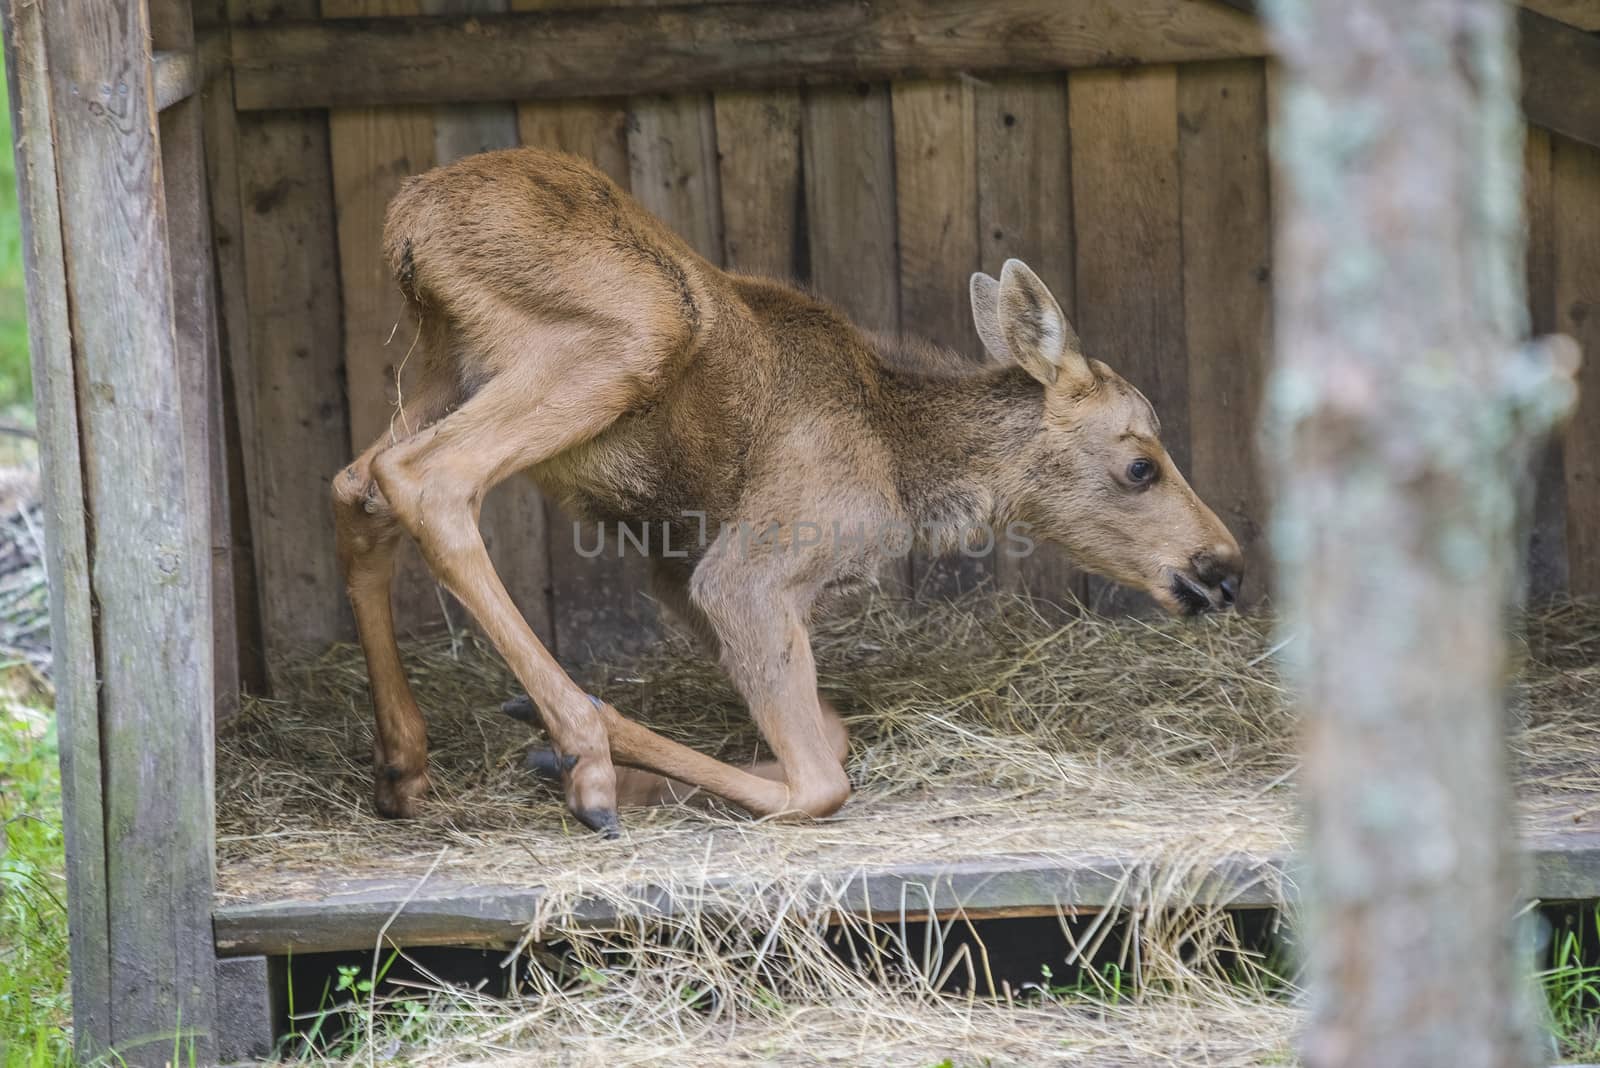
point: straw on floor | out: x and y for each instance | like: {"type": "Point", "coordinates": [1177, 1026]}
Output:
{"type": "Point", "coordinates": [979, 728]}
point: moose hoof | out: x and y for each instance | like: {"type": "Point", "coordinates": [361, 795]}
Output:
{"type": "Point", "coordinates": [397, 796]}
{"type": "Point", "coordinates": [603, 820]}
{"type": "Point", "coordinates": [521, 709]}
{"type": "Point", "coordinates": [547, 765]}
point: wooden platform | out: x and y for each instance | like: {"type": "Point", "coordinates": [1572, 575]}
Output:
{"type": "Point", "coordinates": [349, 914]}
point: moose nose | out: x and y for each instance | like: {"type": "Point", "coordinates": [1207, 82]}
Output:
{"type": "Point", "coordinates": [1222, 570]}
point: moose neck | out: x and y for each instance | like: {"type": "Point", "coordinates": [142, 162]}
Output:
{"type": "Point", "coordinates": [957, 440]}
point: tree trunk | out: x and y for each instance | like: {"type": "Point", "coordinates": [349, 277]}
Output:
{"type": "Point", "coordinates": [1402, 412]}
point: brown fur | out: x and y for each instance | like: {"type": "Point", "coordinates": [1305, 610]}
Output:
{"type": "Point", "coordinates": [566, 333]}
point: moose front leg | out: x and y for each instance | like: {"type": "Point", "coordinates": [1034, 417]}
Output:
{"type": "Point", "coordinates": [758, 617]}
{"type": "Point", "coordinates": [669, 584]}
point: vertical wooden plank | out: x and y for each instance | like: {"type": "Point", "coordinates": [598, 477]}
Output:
{"type": "Point", "coordinates": [182, 142]}
{"type": "Point", "coordinates": [597, 604]}
{"type": "Point", "coordinates": [292, 282]}
{"type": "Point", "coordinates": [194, 291]}
{"type": "Point", "coordinates": [1226, 215]}
{"type": "Point", "coordinates": [1547, 534]}
{"type": "Point", "coordinates": [847, 145]}
{"type": "Point", "coordinates": [1129, 239]}
{"type": "Point", "coordinates": [245, 1001]}
{"type": "Point", "coordinates": [295, 391]}
{"type": "Point", "coordinates": [758, 169]}
{"type": "Point", "coordinates": [1025, 212]}
{"type": "Point", "coordinates": [150, 571]}
{"type": "Point", "coordinates": [513, 520]}
{"type": "Point", "coordinates": [672, 168]}
{"type": "Point", "coordinates": [227, 657]}
{"type": "Point", "coordinates": [235, 406]}
{"type": "Point", "coordinates": [55, 391]}
{"type": "Point", "coordinates": [372, 150]}
{"type": "Point", "coordinates": [672, 160]}
{"type": "Point", "coordinates": [936, 208]}
{"type": "Point", "coordinates": [597, 130]}
{"type": "Point", "coordinates": [936, 205]}
{"type": "Point", "coordinates": [1575, 170]}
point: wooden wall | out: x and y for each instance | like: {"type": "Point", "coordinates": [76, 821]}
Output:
{"type": "Point", "coordinates": [1141, 194]}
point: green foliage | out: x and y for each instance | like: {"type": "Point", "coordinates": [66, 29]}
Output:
{"type": "Point", "coordinates": [16, 379]}
{"type": "Point", "coordinates": [34, 1001]}
{"type": "Point", "coordinates": [1109, 984]}
{"type": "Point", "coordinates": [35, 1011]}
{"type": "Point", "coordinates": [352, 1016]}
{"type": "Point", "coordinates": [1572, 991]}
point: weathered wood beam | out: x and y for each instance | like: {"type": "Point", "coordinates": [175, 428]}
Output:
{"type": "Point", "coordinates": [244, 999]}
{"type": "Point", "coordinates": [347, 914]}
{"type": "Point", "coordinates": [1584, 14]}
{"type": "Point", "coordinates": [176, 76]}
{"type": "Point", "coordinates": [280, 273]}
{"type": "Point", "coordinates": [743, 44]}
{"type": "Point", "coordinates": [749, 44]}
{"type": "Point", "coordinates": [179, 73]}
{"type": "Point", "coordinates": [55, 395]}
{"type": "Point", "coordinates": [148, 537]}
{"type": "Point", "coordinates": [1560, 76]}
{"type": "Point", "coordinates": [1560, 65]}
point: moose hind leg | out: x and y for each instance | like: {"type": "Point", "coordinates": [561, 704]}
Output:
{"type": "Point", "coordinates": [368, 535]}
{"type": "Point", "coordinates": [434, 482]}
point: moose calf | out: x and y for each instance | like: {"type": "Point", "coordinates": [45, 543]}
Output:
{"type": "Point", "coordinates": [565, 333]}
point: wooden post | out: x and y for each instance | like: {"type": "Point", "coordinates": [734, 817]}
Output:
{"type": "Point", "coordinates": [66, 539]}
{"type": "Point", "coordinates": [146, 954]}
{"type": "Point", "coordinates": [1402, 414]}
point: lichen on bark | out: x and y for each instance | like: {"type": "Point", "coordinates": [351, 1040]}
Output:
{"type": "Point", "coordinates": [1402, 414]}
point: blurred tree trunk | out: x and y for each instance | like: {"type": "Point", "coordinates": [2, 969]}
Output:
{"type": "Point", "coordinates": [1402, 411]}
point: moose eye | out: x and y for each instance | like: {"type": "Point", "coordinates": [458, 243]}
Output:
{"type": "Point", "coordinates": [1141, 471]}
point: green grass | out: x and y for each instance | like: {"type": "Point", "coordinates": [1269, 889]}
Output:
{"type": "Point", "coordinates": [1572, 990]}
{"type": "Point", "coordinates": [16, 378]}
{"type": "Point", "coordinates": [34, 1007]}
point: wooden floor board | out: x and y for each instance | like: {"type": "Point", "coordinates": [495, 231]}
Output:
{"type": "Point", "coordinates": [348, 914]}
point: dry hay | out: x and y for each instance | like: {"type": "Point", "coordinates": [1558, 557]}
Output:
{"type": "Point", "coordinates": [979, 729]}
{"type": "Point", "coordinates": [24, 591]}
{"type": "Point", "coordinates": [1212, 1025]}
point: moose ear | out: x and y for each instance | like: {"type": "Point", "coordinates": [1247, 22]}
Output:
{"type": "Point", "coordinates": [1036, 331]}
{"type": "Point", "coordinates": [986, 316]}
